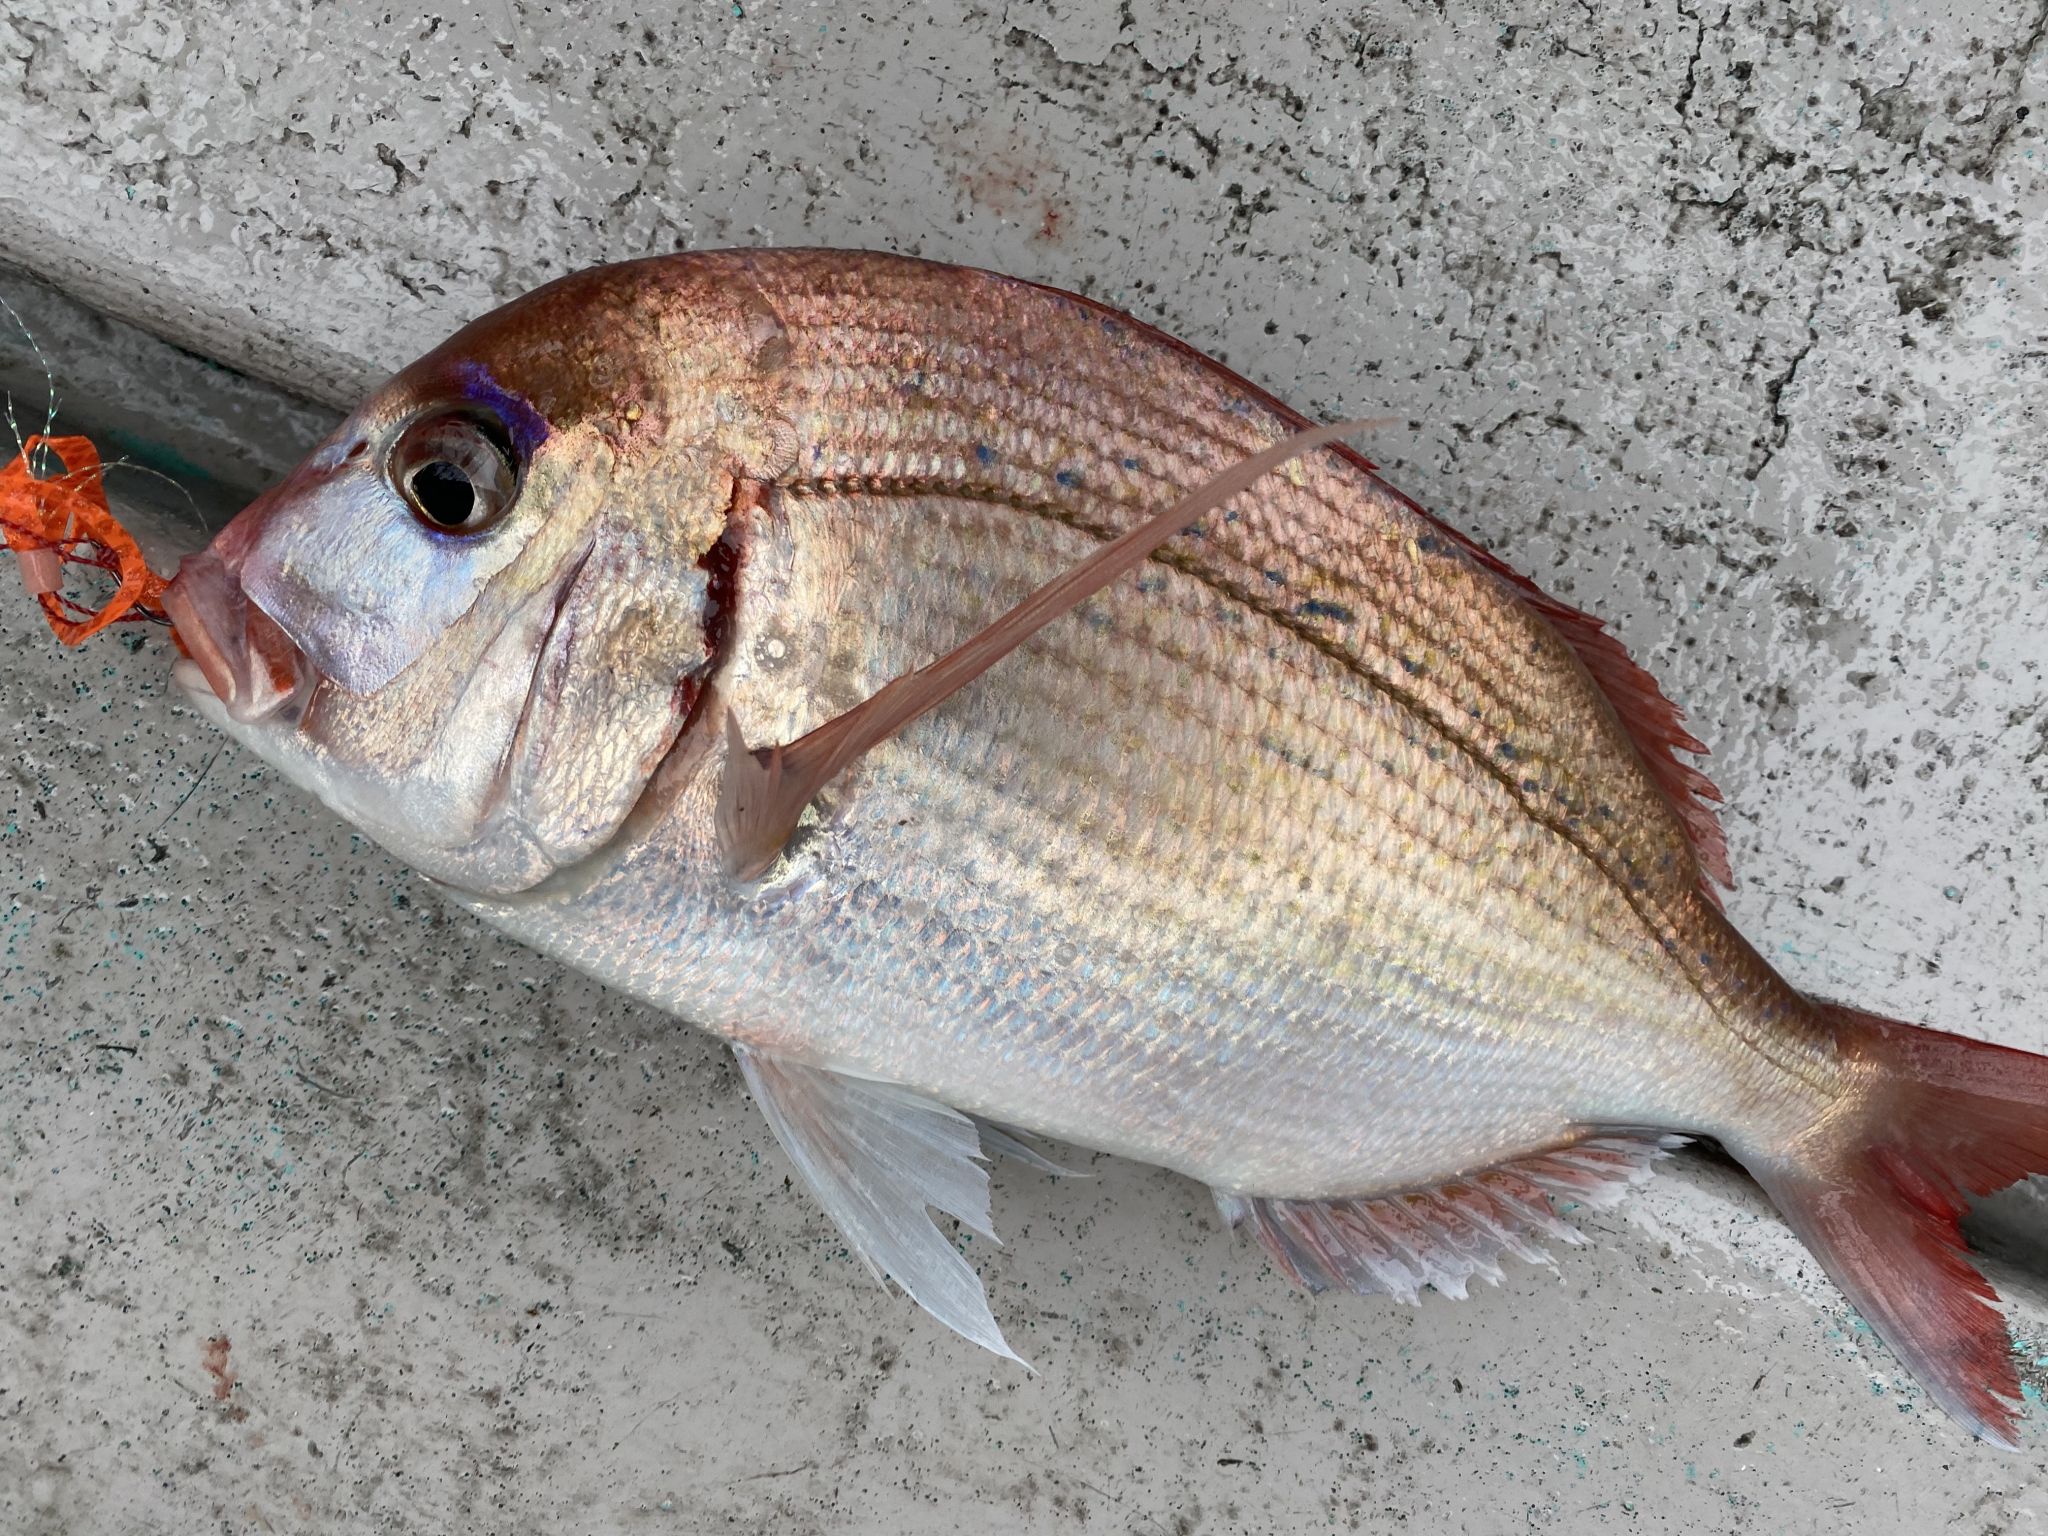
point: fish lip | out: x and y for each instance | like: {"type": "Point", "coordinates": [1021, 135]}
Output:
{"type": "Point", "coordinates": [233, 649]}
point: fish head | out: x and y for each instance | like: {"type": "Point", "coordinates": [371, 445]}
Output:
{"type": "Point", "coordinates": [481, 613]}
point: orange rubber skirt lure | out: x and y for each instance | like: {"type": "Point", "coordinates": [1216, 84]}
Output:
{"type": "Point", "coordinates": [63, 519]}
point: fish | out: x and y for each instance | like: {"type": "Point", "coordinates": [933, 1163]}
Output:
{"type": "Point", "coordinates": [996, 720]}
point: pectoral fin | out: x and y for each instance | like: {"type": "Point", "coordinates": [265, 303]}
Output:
{"type": "Point", "coordinates": [876, 1156]}
{"type": "Point", "coordinates": [765, 791]}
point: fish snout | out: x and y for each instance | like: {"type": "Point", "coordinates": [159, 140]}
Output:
{"type": "Point", "coordinates": [233, 649]}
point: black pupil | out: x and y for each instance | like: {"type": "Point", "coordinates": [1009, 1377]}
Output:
{"type": "Point", "coordinates": [444, 493]}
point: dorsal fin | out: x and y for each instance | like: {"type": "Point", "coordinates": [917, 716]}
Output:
{"type": "Point", "coordinates": [1394, 1245]}
{"type": "Point", "coordinates": [1655, 726]}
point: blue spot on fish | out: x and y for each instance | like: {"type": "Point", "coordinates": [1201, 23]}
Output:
{"type": "Point", "coordinates": [1070, 478]}
{"type": "Point", "coordinates": [1130, 463]}
{"type": "Point", "coordinates": [527, 428]}
{"type": "Point", "coordinates": [984, 453]}
{"type": "Point", "coordinates": [1316, 608]}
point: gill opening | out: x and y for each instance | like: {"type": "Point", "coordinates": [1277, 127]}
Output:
{"type": "Point", "coordinates": [696, 698]}
{"type": "Point", "coordinates": [501, 776]}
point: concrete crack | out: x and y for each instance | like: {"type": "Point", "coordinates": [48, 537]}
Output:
{"type": "Point", "coordinates": [2001, 100]}
{"type": "Point", "coordinates": [1692, 65]}
{"type": "Point", "coordinates": [1774, 391]}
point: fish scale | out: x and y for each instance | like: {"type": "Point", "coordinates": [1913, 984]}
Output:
{"type": "Point", "coordinates": [1498, 638]}
{"type": "Point", "coordinates": [1223, 808]}
{"type": "Point", "coordinates": [1476, 667]}
{"type": "Point", "coordinates": [869, 467]}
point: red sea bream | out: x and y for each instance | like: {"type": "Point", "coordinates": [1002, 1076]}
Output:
{"type": "Point", "coordinates": [1318, 857]}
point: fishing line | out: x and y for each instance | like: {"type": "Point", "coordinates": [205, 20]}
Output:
{"type": "Point", "coordinates": [49, 376]}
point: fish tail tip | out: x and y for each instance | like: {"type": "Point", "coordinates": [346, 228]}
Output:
{"type": "Point", "coordinates": [1879, 1198]}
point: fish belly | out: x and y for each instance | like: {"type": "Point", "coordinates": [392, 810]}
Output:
{"type": "Point", "coordinates": [951, 949]}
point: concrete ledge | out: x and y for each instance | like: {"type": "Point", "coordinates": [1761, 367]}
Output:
{"type": "Point", "coordinates": [1732, 331]}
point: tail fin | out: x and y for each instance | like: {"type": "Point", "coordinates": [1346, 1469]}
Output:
{"type": "Point", "coordinates": [1881, 1204]}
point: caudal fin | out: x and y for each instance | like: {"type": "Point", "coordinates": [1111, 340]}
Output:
{"type": "Point", "coordinates": [1879, 1198]}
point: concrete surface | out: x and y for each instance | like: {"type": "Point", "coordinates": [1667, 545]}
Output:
{"type": "Point", "coordinates": [327, 1210]}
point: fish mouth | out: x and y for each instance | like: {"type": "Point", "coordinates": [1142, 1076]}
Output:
{"type": "Point", "coordinates": [233, 649]}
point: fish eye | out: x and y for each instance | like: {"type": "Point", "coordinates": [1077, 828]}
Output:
{"type": "Point", "coordinates": [456, 471]}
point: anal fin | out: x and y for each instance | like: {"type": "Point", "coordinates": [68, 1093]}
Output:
{"type": "Point", "coordinates": [876, 1156]}
{"type": "Point", "coordinates": [1394, 1245]}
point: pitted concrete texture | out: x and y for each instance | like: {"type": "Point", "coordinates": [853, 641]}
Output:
{"type": "Point", "coordinates": [327, 1210]}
